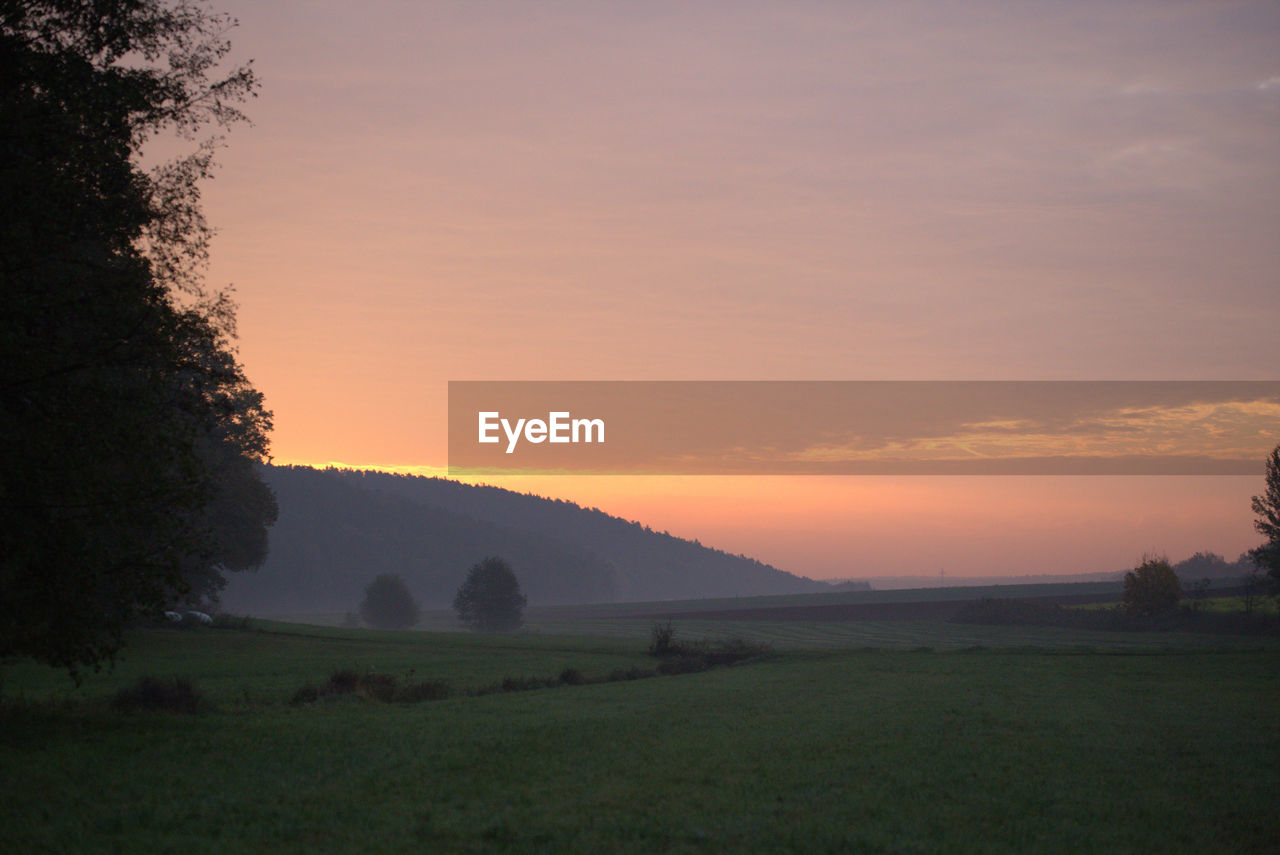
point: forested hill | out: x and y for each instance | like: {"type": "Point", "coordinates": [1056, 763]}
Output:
{"type": "Point", "coordinates": [340, 528]}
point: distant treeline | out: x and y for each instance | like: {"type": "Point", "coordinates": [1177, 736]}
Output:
{"type": "Point", "coordinates": [340, 528]}
{"type": "Point", "coordinates": [1215, 568]}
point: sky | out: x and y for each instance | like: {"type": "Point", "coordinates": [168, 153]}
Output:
{"type": "Point", "coordinates": [763, 191]}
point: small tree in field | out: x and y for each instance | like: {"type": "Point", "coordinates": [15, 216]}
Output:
{"type": "Point", "coordinates": [490, 599]}
{"type": "Point", "coordinates": [1152, 588]}
{"type": "Point", "coordinates": [388, 603]}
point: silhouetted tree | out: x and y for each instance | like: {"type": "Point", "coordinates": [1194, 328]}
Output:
{"type": "Point", "coordinates": [490, 599]}
{"type": "Point", "coordinates": [1267, 507]}
{"type": "Point", "coordinates": [388, 603]}
{"type": "Point", "coordinates": [1151, 588]}
{"type": "Point", "coordinates": [128, 431]}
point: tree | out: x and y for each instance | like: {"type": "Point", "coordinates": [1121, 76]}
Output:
{"type": "Point", "coordinates": [128, 431]}
{"type": "Point", "coordinates": [1267, 507]}
{"type": "Point", "coordinates": [1152, 588]}
{"type": "Point", "coordinates": [388, 603]}
{"type": "Point", "coordinates": [490, 599]}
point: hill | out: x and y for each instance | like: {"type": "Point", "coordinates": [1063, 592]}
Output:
{"type": "Point", "coordinates": [340, 528]}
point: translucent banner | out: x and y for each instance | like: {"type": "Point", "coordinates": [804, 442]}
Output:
{"type": "Point", "coordinates": [862, 427]}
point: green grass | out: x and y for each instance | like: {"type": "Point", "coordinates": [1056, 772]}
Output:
{"type": "Point", "coordinates": [262, 667]}
{"type": "Point", "coordinates": [992, 751]}
{"type": "Point", "coordinates": [905, 635]}
{"type": "Point", "coordinates": [887, 634]}
{"type": "Point", "coordinates": [1263, 605]}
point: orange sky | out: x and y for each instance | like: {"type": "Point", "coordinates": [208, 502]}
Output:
{"type": "Point", "coordinates": [763, 191]}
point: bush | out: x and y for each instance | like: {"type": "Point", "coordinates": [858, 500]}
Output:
{"type": "Point", "coordinates": [428, 690]}
{"type": "Point", "coordinates": [370, 686]}
{"type": "Point", "coordinates": [342, 682]}
{"type": "Point", "coordinates": [522, 684]}
{"type": "Point", "coordinates": [699, 655]}
{"type": "Point", "coordinates": [378, 687]}
{"type": "Point", "coordinates": [688, 664]}
{"type": "Point", "coordinates": [152, 693]}
{"type": "Point", "coordinates": [633, 673]}
{"type": "Point", "coordinates": [308, 694]}
{"type": "Point", "coordinates": [572, 677]}
{"type": "Point", "coordinates": [662, 639]}
{"type": "Point", "coordinates": [1151, 588]}
{"type": "Point", "coordinates": [388, 603]}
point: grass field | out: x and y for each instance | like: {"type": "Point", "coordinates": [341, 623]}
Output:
{"type": "Point", "coordinates": [880, 634]}
{"type": "Point", "coordinates": [1039, 748]}
{"type": "Point", "coordinates": [1261, 605]}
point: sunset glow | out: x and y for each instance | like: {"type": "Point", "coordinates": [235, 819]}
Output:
{"type": "Point", "coordinates": [763, 191]}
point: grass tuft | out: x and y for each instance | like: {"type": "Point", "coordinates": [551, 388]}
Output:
{"type": "Point", "coordinates": [156, 695]}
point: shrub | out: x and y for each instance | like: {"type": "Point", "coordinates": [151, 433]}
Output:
{"type": "Point", "coordinates": [1151, 588]}
{"type": "Point", "coordinates": [342, 682]}
{"type": "Point", "coordinates": [572, 677]}
{"type": "Point", "coordinates": [388, 603]}
{"type": "Point", "coordinates": [632, 673]}
{"type": "Point", "coordinates": [378, 687]}
{"type": "Point", "coordinates": [688, 664]}
{"type": "Point", "coordinates": [663, 645]}
{"type": "Point", "coordinates": [516, 684]}
{"type": "Point", "coordinates": [662, 639]}
{"type": "Point", "coordinates": [375, 687]}
{"type": "Point", "coordinates": [308, 694]}
{"type": "Point", "coordinates": [152, 693]}
{"type": "Point", "coordinates": [428, 690]}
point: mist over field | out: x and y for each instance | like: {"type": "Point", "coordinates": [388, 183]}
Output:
{"type": "Point", "coordinates": [338, 529]}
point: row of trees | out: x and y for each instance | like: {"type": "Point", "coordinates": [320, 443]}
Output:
{"type": "Point", "coordinates": [489, 600]}
{"type": "Point", "coordinates": [1154, 588]}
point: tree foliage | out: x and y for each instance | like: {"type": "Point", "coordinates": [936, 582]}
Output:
{"type": "Point", "coordinates": [388, 603]}
{"type": "Point", "coordinates": [1267, 507]}
{"type": "Point", "coordinates": [1152, 588]}
{"type": "Point", "coordinates": [490, 599]}
{"type": "Point", "coordinates": [129, 434]}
